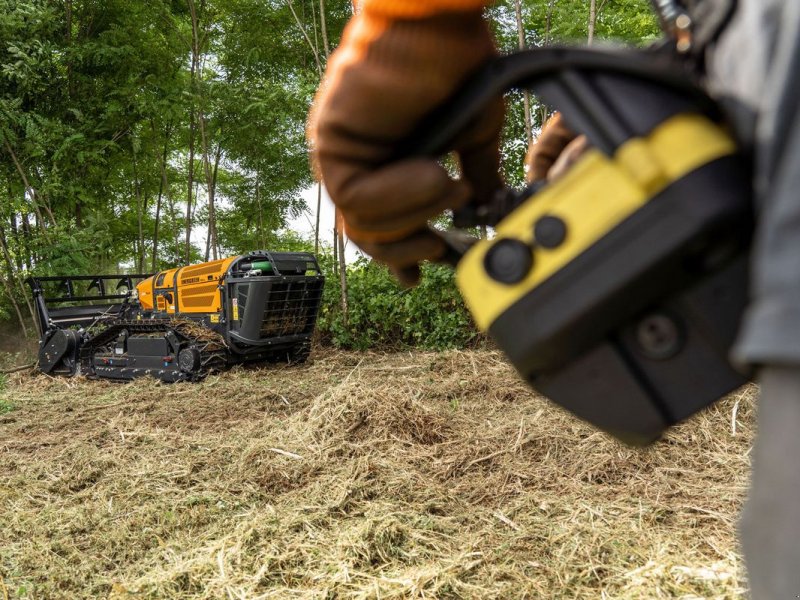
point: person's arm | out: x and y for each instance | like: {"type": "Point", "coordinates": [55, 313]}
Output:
{"type": "Point", "coordinates": [547, 156]}
{"type": "Point", "coordinates": [398, 60]}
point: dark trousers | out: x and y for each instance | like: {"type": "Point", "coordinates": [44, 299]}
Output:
{"type": "Point", "coordinates": [770, 525]}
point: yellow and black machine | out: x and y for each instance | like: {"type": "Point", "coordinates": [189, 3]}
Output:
{"type": "Point", "coordinates": [617, 289]}
{"type": "Point", "coordinates": [181, 323]}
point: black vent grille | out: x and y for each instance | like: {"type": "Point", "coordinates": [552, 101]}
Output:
{"type": "Point", "coordinates": [291, 308]}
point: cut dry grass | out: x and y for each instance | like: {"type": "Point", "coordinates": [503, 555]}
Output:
{"type": "Point", "coordinates": [415, 475]}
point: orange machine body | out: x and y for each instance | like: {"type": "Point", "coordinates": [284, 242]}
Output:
{"type": "Point", "coordinates": [195, 289]}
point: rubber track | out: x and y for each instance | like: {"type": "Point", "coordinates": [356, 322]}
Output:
{"type": "Point", "coordinates": [213, 350]}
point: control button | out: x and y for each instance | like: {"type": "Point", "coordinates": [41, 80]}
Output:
{"type": "Point", "coordinates": [508, 261]}
{"type": "Point", "coordinates": [550, 232]}
{"type": "Point", "coordinates": [659, 336]}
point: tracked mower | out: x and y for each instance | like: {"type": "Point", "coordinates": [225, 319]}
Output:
{"type": "Point", "coordinates": [179, 324]}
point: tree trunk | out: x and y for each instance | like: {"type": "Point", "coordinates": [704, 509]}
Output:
{"type": "Point", "coordinates": [163, 187]}
{"type": "Point", "coordinates": [262, 240]}
{"type": "Point", "coordinates": [319, 210]}
{"type": "Point", "coordinates": [70, 80]}
{"type": "Point", "coordinates": [15, 233]}
{"type": "Point", "coordinates": [155, 227]}
{"type": "Point", "coordinates": [217, 158]}
{"type": "Point", "coordinates": [29, 189]}
{"type": "Point", "coordinates": [140, 209]}
{"type": "Point", "coordinates": [10, 263]}
{"type": "Point", "coordinates": [212, 244]}
{"type": "Point", "coordinates": [210, 241]}
{"type": "Point", "coordinates": [526, 97]}
{"type": "Point", "coordinates": [335, 250]}
{"type": "Point", "coordinates": [324, 27]}
{"type": "Point", "coordinates": [592, 21]}
{"type": "Point", "coordinates": [190, 188]}
{"type": "Point", "coordinates": [547, 28]}
{"type": "Point", "coordinates": [193, 73]}
{"type": "Point", "coordinates": [313, 24]}
{"type": "Point", "coordinates": [342, 264]}
{"type": "Point", "coordinates": [26, 236]}
{"type": "Point", "coordinates": [7, 283]}
{"type": "Point", "coordinates": [175, 229]}
{"type": "Point", "coordinates": [314, 49]}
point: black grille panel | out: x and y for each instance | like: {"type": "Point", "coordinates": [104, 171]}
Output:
{"type": "Point", "coordinates": [291, 308]}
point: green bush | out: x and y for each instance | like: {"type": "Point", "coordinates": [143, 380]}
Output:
{"type": "Point", "coordinates": [383, 314]}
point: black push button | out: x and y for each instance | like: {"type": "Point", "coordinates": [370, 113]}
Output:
{"type": "Point", "coordinates": [550, 232]}
{"type": "Point", "coordinates": [659, 336]}
{"type": "Point", "coordinates": [508, 261]}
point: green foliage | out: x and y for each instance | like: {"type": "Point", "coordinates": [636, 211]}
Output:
{"type": "Point", "coordinates": [567, 22]}
{"type": "Point", "coordinates": [382, 314]}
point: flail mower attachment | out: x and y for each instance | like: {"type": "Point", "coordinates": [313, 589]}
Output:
{"type": "Point", "coordinates": [69, 307]}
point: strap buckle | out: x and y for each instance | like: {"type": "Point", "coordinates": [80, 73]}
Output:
{"type": "Point", "coordinates": [676, 23]}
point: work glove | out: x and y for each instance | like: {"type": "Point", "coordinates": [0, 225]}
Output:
{"type": "Point", "coordinates": [554, 152]}
{"type": "Point", "coordinates": [387, 74]}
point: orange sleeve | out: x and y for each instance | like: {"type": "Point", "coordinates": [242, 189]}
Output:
{"type": "Point", "coordinates": [416, 9]}
{"type": "Point", "coordinates": [373, 17]}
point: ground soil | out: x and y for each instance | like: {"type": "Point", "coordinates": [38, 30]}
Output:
{"type": "Point", "coordinates": [415, 475]}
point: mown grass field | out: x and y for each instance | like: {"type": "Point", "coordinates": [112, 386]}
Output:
{"type": "Point", "coordinates": [360, 475]}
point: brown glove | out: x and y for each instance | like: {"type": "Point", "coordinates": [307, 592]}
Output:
{"type": "Point", "coordinates": [384, 78]}
{"type": "Point", "coordinates": [549, 150]}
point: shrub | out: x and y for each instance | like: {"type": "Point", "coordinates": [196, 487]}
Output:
{"type": "Point", "coordinates": [381, 313]}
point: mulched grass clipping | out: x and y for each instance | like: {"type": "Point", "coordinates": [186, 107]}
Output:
{"type": "Point", "coordinates": [415, 475]}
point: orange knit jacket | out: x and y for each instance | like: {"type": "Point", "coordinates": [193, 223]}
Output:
{"type": "Point", "coordinates": [374, 16]}
{"type": "Point", "coordinates": [415, 9]}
